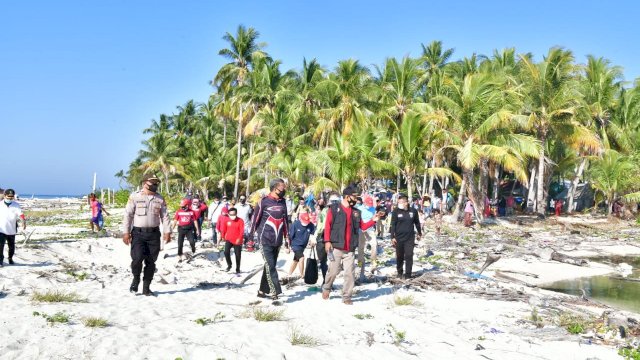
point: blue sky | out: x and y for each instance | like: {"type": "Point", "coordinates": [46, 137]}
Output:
{"type": "Point", "coordinates": [79, 80]}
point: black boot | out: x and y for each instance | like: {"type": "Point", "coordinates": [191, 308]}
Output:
{"type": "Point", "coordinates": [11, 261]}
{"type": "Point", "coordinates": [145, 289]}
{"type": "Point", "coordinates": [134, 284]}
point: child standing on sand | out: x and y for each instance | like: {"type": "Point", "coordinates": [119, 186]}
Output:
{"type": "Point", "coordinates": [96, 212]}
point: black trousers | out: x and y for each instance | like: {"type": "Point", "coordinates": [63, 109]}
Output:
{"type": "Point", "coordinates": [404, 254]}
{"type": "Point", "coordinates": [270, 284]}
{"type": "Point", "coordinates": [145, 247]}
{"type": "Point", "coordinates": [188, 232]}
{"type": "Point", "coordinates": [11, 239]}
{"type": "Point", "coordinates": [322, 256]}
{"type": "Point", "coordinates": [237, 249]}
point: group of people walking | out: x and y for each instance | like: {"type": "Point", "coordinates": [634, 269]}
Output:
{"type": "Point", "coordinates": [335, 230]}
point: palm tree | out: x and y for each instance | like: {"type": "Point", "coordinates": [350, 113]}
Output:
{"type": "Point", "coordinates": [159, 154]}
{"type": "Point", "coordinates": [243, 49]}
{"type": "Point", "coordinates": [481, 128]}
{"type": "Point", "coordinates": [613, 174]}
{"type": "Point", "coordinates": [600, 86]}
{"type": "Point", "coordinates": [552, 101]}
{"type": "Point", "coordinates": [349, 91]}
{"type": "Point", "coordinates": [121, 177]}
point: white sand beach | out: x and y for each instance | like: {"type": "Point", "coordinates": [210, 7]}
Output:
{"type": "Point", "coordinates": [438, 325]}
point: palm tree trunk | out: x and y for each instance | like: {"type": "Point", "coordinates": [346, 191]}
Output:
{"type": "Point", "coordinates": [424, 179]}
{"type": "Point", "coordinates": [166, 181]}
{"type": "Point", "coordinates": [409, 179]}
{"type": "Point", "coordinates": [483, 184]}
{"type": "Point", "coordinates": [540, 203]}
{"type": "Point", "coordinates": [463, 189]}
{"type": "Point", "coordinates": [224, 135]}
{"type": "Point", "coordinates": [530, 189]}
{"type": "Point", "coordinates": [431, 177]}
{"type": "Point", "coordinates": [496, 181]}
{"type": "Point", "coordinates": [247, 190]}
{"type": "Point", "coordinates": [398, 182]}
{"type": "Point", "coordinates": [574, 184]}
{"type": "Point", "coordinates": [239, 153]}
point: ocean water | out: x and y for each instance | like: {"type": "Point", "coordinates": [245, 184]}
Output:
{"type": "Point", "coordinates": [41, 196]}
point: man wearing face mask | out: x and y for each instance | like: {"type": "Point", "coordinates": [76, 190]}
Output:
{"type": "Point", "coordinates": [341, 229]}
{"type": "Point", "coordinates": [403, 235]}
{"type": "Point", "coordinates": [244, 213]}
{"type": "Point", "coordinates": [10, 212]}
{"type": "Point", "coordinates": [271, 225]}
{"type": "Point", "coordinates": [143, 214]}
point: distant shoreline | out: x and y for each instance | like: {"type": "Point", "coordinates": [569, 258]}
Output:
{"type": "Point", "coordinates": [48, 197]}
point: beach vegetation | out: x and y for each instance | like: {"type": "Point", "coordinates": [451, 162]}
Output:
{"type": "Point", "coordinates": [298, 338]}
{"type": "Point", "coordinates": [95, 322]}
{"type": "Point", "coordinates": [57, 296]}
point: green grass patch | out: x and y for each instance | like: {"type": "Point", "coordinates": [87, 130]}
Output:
{"type": "Point", "coordinates": [398, 336]}
{"type": "Point", "coordinates": [363, 316]}
{"type": "Point", "coordinates": [206, 321]}
{"type": "Point", "coordinates": [298, 338]}
{"type": "Point", "coordinates": [268, 315]}
{"type": "Point", "coordinates": [407, 300]}
{"type": "Point", "coordinates": [95, 322]}
{"type": "Point", "coordinates": [56, 296]}
{"type": "Point", "coordinates": [629, 353]}
{"type": "Point", "coordinates": [59, 317]}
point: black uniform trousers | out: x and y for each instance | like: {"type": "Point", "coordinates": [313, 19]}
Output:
{"type": "Point", "coordinates": [11, 240]}
{"type": "Point", "coordinates": [145, 247]}
{"type": "Point", "coordinates": [404, 255]}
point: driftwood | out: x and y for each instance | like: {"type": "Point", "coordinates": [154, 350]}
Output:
{"type": "Point", "coordinates": [520, 273]}
{"type": "Point", "coordinates": [500, 275]}
{"type": "Point", "coordinates": [490, 260]}
{"type": "Point", "coordinates": [556, 256]}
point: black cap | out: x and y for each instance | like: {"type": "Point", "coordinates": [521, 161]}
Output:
{"type": "Point", "coordinates": [150, 177]}
{"type": "Point", "coordinates": [9, 192]}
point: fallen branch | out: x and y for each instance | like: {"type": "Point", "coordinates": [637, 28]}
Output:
{"type": "Point", "coordinates": [500, 275]}
{"type": "Point", "coordinates": [520, 273]}
{"type": "Point", "coordinates": [556, 256]}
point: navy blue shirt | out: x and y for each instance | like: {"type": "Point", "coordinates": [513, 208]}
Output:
{"type": "Point", "coordinates": [299, 235]}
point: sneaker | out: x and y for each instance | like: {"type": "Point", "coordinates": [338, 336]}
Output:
{"type": "Point", "coordinates": [237, 271]}
{"type": "Point", "coordinates": [228, 269]}
{"type": "Point", "coordinates": [11, 261]}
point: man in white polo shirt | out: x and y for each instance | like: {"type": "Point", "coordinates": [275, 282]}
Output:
{"type": "Point", "coordinates": [10, 212]}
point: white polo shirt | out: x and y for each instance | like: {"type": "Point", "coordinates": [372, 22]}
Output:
{"type": "Point", "coordinates": [9, 215]}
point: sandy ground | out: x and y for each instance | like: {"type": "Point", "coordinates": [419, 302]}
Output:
{"type": "Point", "coordinates": [439, 325]}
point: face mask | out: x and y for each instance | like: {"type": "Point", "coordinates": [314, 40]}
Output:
{"type": "Point", "coordinates": [152, 187]}
{"type": "Point", "coordinates": [352, 203]}
{"type": "Point", "coordinates": [334, 201]}
{"type": "Point", "coordinates": [185, 208]}
{"type": "Point", "coordinates": [8, 202]}
{"type": "Point", "coordinates": [402, 206]}
{"type": "Point", "coordinates": [281, 193]}
{"type": "Point", "coordinates": [232, 217]}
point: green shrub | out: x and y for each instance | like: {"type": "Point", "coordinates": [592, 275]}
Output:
{"type": "Point", "coordinates": [206, 321]}
{"type": "Point", "coordinates": [629, 353]}
{"type": "Point", "coordinates": [121, 197]}
{"type": "Point", "coordinates": [58, 317]}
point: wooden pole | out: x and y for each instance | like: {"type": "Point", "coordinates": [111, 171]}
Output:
{"type": "Point", "coordinates": [94, 182]}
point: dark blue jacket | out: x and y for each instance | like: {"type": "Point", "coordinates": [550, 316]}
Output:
{"type": "Point", "coordinates": [299, 235]}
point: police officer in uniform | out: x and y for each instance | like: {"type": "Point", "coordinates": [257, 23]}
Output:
{"type": "Point", "coordinates": [143, 214]}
